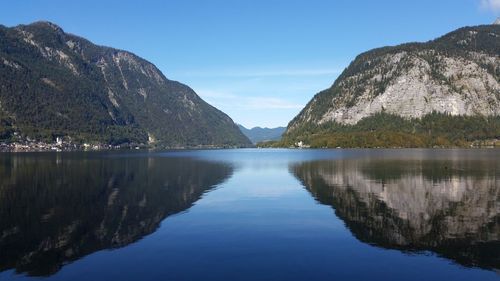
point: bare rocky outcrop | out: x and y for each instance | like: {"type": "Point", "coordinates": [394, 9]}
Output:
{"type": "Point", "coordinates": [457, 74]}
{"type": "Point", "coordinates": [415, 88]}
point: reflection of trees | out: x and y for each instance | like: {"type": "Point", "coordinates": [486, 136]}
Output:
{"type": "Point", "coordinates": [54, 210]}
{"type": "Point", "coordinates": [448, 207]}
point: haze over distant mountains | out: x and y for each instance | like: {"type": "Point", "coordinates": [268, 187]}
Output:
{"type": "Point", "coordinates": [258, 134]}
{"type": "Point", "coordinates": [54, 84]}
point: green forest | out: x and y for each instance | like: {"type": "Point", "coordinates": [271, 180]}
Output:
{"type": "Point", "coordinates": [388, 130]}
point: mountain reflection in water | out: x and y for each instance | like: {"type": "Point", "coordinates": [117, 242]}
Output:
{"type": "Point", "coordinates": [59, 207]}
{"type": "Point", "coordinates": [450, 207]}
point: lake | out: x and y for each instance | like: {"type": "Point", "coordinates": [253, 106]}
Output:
{"type": "Point", "coordinates": [251, 214]}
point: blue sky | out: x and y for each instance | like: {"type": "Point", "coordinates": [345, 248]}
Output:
{"type": "Point", "coordinates": [260, 61]}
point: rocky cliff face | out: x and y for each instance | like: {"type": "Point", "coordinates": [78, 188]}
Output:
{"type": "Point", "coordinates": [56, 83]}
{"type": "Point", "coordinates": [457, 74]}
{"type": "Point", "coordinates": [448, 207]}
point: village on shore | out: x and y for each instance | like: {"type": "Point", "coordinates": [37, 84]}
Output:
{"type": "Point", "coordinates": [66, 144]}
{"type": "Point", "coordinates": [59, 145]}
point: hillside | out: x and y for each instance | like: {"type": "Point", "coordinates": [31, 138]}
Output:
{"type": "Point", "coordinates": [54, 84]}
{"type": "Point", "coordinates": [258, 134]}
{"type": "Point", "coordinates": [443, 92]}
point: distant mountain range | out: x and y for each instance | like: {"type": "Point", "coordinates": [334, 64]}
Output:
{"type": "Point", "coordinates": [445, 92]}
{"type": "Point", "coordinates": [54, 84]}
{"type": "Point", "coordinates": [258, 134]}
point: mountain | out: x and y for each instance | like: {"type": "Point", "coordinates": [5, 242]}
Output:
{"type": "Point", "coordinates": [55, 84]}
{"type": "Point", "coordinates": [442, 92]}
{"type": "Point", "coordinates": [258, 134]}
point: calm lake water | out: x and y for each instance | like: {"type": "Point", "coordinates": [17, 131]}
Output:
{"type": "Point", "coordinates": [251, 215]}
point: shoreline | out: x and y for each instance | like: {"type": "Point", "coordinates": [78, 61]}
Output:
{"type": "Point", "coordinates": [13, 149]}
{"type": "Point", "coordinates": [17, 147]}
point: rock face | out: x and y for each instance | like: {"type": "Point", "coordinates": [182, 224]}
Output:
{"type": "Point", "coordinates": [457, 74]}
{"type": "Point", "coordinates": [54, 83]}
{"type": "Point", "coordinates": [449, 207]}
